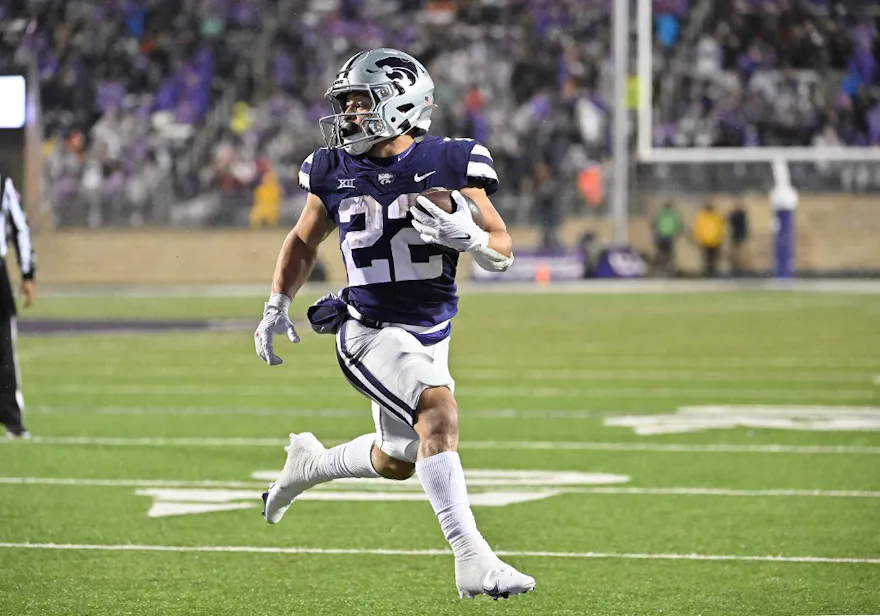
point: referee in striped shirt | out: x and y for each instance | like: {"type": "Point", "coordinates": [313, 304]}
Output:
{"type": "Point", "coordinates": [14, 228]}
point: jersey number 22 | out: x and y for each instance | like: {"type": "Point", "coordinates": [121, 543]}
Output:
{"type": "Point", "coordinates": [400, 260]}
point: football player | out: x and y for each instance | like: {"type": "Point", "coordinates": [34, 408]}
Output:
{"type": "Point", "coordinates": [393, 320]}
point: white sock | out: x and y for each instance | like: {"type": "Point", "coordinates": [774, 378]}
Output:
{"type": "Point", "coordinates": [443, 479]}
{"type": "Point", "coordinates": [351, 459]}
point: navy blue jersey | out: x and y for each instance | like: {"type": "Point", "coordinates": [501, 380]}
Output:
{"type": "Point", "coordinates": [393, 275]}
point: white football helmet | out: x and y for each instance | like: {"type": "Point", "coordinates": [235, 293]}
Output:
{"type": "Point", "coordinates": [403, 100]}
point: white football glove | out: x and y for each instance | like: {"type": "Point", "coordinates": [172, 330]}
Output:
{"type": "Point", "coordinates": [275, 321]}
{"type": "Point", "coordinates": [457, 230]}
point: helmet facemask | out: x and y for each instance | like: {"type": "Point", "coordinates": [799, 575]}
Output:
{"type": "Point", "coordinates": [340, 130]}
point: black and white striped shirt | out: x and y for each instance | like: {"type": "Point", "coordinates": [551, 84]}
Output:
{"type": "Point", "coordinates": [13, 224]}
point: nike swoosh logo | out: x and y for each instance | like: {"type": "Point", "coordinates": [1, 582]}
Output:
{"type": "Point", "coordinates": [419, 178]}
{"type": "Point", "coordinates": [463, 237]}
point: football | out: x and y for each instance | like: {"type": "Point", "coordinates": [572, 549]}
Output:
{"type": "Point", "coordinates": [442, 198]}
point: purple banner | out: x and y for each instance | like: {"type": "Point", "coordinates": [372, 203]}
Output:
{"type": "Point", "coordinates": [536, 265]}
{"type": "Point", "coordinates": [622, 262]}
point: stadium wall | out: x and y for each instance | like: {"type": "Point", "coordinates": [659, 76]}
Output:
{"type": "Point", "coordinates": [835, 233]}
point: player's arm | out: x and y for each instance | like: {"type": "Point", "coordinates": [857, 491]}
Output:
{"type": "Point", "coordinates": [295, 262]}
{"type": "Point", "coordinates": [21, 238]}
{"type": "Point", "coordinates": [499, 238]}
{"type": "Point", "coordinates": [490, 245]}
{"type": "Point", "coordinates": [300, 248]}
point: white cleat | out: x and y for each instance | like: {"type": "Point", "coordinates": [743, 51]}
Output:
{"type": "Point", "coordinates": [297, 476]}
{"type": "Point", "coordinates": [490, 576]}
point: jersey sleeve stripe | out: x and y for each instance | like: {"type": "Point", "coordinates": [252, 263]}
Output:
{"type": "Point", "coordinates": [304, 171]}
{"type": "Point", "coordinates": [480, 150]}
{"type": "Point", "coordinates": [476, 158]}
{"type": "Point", "coordinates": [481, 170]}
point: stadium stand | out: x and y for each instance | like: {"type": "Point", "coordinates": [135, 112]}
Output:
{"type": "Point", "coordinates": [161, 112]}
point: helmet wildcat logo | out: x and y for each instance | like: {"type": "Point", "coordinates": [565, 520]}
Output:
{"type": "Point", "coordinates": [398, 69]}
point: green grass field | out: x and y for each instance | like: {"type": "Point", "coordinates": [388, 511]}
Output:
{"type": "Point", "coordinates": [756, 492]}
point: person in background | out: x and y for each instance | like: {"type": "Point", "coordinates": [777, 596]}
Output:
{"type": "Point", "coordinates": [267, 200]}
{"type": "Point", "coordinates": [546, 197]}
{"type": "Point", "coordinates": [739, 233]}
{"type": "Point", "coordinates": [13, 225]}
{"type": "Point", "coordinates": [666, 227]}
{"type": "Point", "coordinates": [709, 235]}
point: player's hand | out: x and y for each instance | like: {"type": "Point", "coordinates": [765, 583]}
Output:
{"type": "Point", "coordinates": [28, 292]}
{"type": "Point", "coordinates": [457, 230]}
{"type": "Point", "coordinates": [275, 321]}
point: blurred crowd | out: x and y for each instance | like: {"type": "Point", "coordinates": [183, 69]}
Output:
{"type": "Point", "coordinates": [779, 73]}
{"type": "Point", "coordinates": [524, 77]}
{"type": "Point", "coordinates": [123, 85]}
{"type": "Point", "coordinates": [128, 87]}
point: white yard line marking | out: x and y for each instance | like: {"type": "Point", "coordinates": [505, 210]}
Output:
{"type": "Point", "coordinates": [534, 445]}
{"type": "Point", "coordinates": [634, 393]}
{"type": "Point", "coordinates": [724, 492]}
{"type": "Point", "coordinates": [268, 412]}
{"type": "Point", "coordinates": [775, 289]}
{"type": "Point", "coordinates": [673, 447]}
{"type": "Point", "coordinates": [662, 376]}
{"type": "Point", "coordinates": [131, 483]}
{"type": "Point", "coordinates": [611, 417]}
{"type": "Point", "coordinates": [432, 552]}
{"type": "Point", "coordinates": [150, 362]}
{"type": "Point", "coordinates": [113, 372]}
{"type": "Point", "coordinates": [113, 441]}
{"type": "Point", "coordinates": [236, 411]}
{"type": "Point", "coordinates": [243, 485]}
{"type": "Point", "coordinates": [562, 358]}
